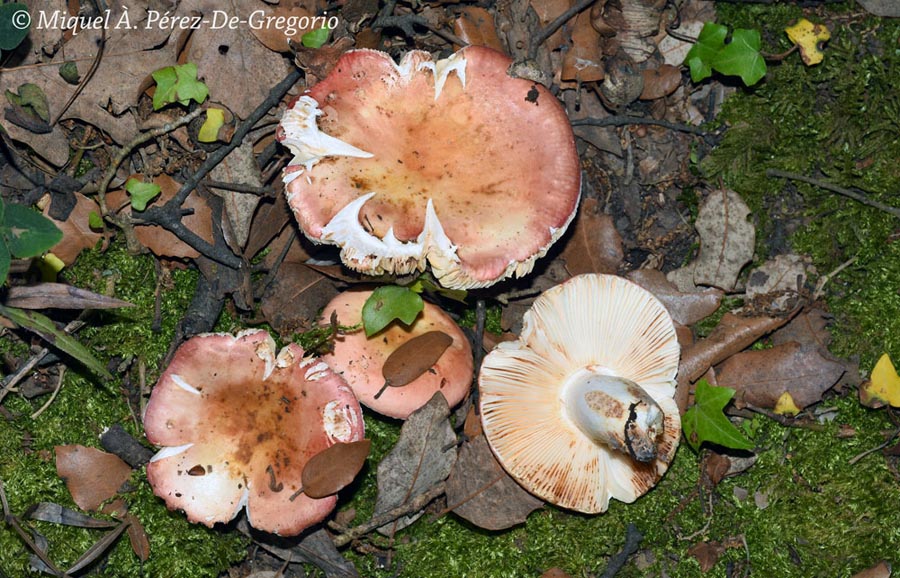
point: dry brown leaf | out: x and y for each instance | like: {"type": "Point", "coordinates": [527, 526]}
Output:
{"type": "Point", "coordinates": [880, 570]}
{"type": "Point", "coordinates": [727, 240]}
{"type": "Point", "coordinates": [239, 167]}
{"type": "Point", "coordinates": [92, 476]}
{"type": "Point", "coordinates": [691, 17]}
{"type": "Point", "coordinates": [660, 82]}
{"type": "Point", "coordinates": [761, 377]}
{"type": "Point", "coordinates": [809, 329]}
{"type": "Point", "coordinates": [59, 296]}
{"type": "Point", "coordinates": [476, 26]}
{"type": "Point", "coordinates": [595, 245]}
{"type": "Point", "coordinates": [707, 554]}
{"type": "Point", "coordinates": [583, 61]}
{"type": "Point", "coordinates": [685, 308]}
{"type": "Point", "coordinates": [414, 357]}
{"type": "Point", "coordinates": [555, 573]}
{"type": "Point", "coordinates": [332, 469]}
{"type": "Point", "coordinates": [269, 221]}
{"type": "Point", "coordinates": [480, 491]}
{"type": "Point", "coordinates": [158, 240]}
{"type": "Point", "coordinates": [279, 38]}
{"type": "Point", "coordinates": [77, 233]}
{"type": "Point", "coordinates": [295, 297]}
{"type": "Point", "coordinates": [137, 536]}
{"type": "Point", "coordinates": [783, 273]}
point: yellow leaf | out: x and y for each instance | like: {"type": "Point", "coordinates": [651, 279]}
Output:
{"type": "Point", "coordinates": [883, 386]}
{"type": "Point", "coordinates": [807, 36]}
{"type": "Point", "coordinates": [209, 132]}
{"type": "Point", "coordinates": [785, 405]}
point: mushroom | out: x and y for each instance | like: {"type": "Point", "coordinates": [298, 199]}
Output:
{"type": "Point", "coordinates": [238, 423]}
{"type": "Point", "coordinates": [580, 408]}
{"type": "Point", "coordinates": [361, 360]}
{"type": "Point", "coordinates": [449, 162]}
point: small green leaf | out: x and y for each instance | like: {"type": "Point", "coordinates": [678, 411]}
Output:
{"type": "Point", "coordinates": [705, 422]}
{"type": "Point", "coordinates": [45, 328]}
{"type": "Point", "coordinates": [69, 72]}
{"type": "Point", "coordinates": [315, 38]}
{"type": "Point", "coordinates": [741, 57]}
{"type": "Point", "coordinates": [14, 24]}
{"type": "Point", "coordinates": [178, 84]}
{"type": "Point", "coordinates": [95, 221]}
{"type": "Point", "coordinates": [209, 131]}
{"type": "Point", "coordinates": [32, 98]}
{"type": "Point", "coordinates": [27, 233]}
{"type": "Point", "coordinates": [5, 261]}
{"type": "Point", "coordinates": [710, 41]}
{"type": "Point", "coordinates": [388, 303]}
{"type": "Point", "coordinates": [141, 193]}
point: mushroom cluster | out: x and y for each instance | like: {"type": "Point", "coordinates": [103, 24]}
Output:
{"type": "Point", "coordinates": [450, 162]}
{"type": "Point", "coordinates": [238, 423]}
{"type": "Point", "coordinates": [580, 408]}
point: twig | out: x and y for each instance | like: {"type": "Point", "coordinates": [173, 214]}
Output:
{"type": "Point", "coordinates": [633, 539]}
{"type": "Point", "coordinates": [856, 196]}
{"type": "Point", "coordinates": [548, 30]}
{"type": "Point", "coordinates": [783, 419]}
{"type": "Point", "coordinates": [820, 284]}
{"type": "Point", "coordinates": [621, 120]}
{"type": "Point", "coordinates": [879, 447]}
{"type": "Point", "coordinates": [13, 522]}
{"type": "Point", "coordinates": [87, 77]}
{"type": "Point", "coordinates": [14, 378]}
{"type": "Point", "coordinates": [414, 505]}
{"type": "Point", "coordinates": [59, 383]}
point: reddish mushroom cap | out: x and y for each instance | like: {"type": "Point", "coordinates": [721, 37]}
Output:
{"type": "Point", "coordinates": [360, 359]}
{"type": "Point", "coordinates": [580, 408]}
{"type": "Point", "coordinates": [451, 162]}
{"type": "Point", "coordinates": [238, 423]}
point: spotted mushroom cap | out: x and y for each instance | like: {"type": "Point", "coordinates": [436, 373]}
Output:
{"type": "Point", "coordinates": [360, 360]}
{"type": "Point", "coordinates": [238, 423]}
{"type": "Point", "coordinates": [449, 162]}
{"type": "Point", "coordinates": [592, 327]}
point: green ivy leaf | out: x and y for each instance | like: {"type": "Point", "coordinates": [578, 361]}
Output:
{"type": "Point", "coordinates": [26, 232]}
{"type": "Point", "coordinates": [14, 24]}
{"type": "Point", "coordinates": [95, 221]}
{"type": "Point", "coordinates": [69, 72]}
{"type": "Point", "coordinates": [741, 57]}
{"type": "Point", "coordinates": [178, 84]}
{"type": "Point", "coordinates": [315, 38]}
{"type": "Point", "coordinates": [388, 303]}
{"type": "Point", "coordinates": [32, 98]}
{"type": "Point", "coordinates": [705, 422]}
{"type": "Point", "coordinates": [141, 193]}
{"type": "Point", "coordinates": [710, 41]}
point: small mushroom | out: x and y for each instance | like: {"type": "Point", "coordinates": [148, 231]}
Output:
{"type": "Point", "coordinates": [361, 360]}
{"type": "Point", "coordinates": [450, 162]}
{"type": "Point", "coordinates": [238, 423]}
{"type": "Point", "coordinates": [580, 408]}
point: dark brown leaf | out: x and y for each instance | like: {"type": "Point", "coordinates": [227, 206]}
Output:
{"type": "Point", "coordinates": [660, 82]}
{"type": "Point", "coordinates": [761, 377]}
{"type": "Point", "coordinates": [269, 221]}
{"type": "Point", "coordinates": [707, 554]}
{"type": "Point", "coordinates": [595, 245]}
{"type": "Point", "coordinates": [56, 514]}
{"type": "Point", "coordinates": [295, 297]}
{"type": "Point", "coordinates": [880, 570]}
{"type": "Point", "coordinates": [77, 233]}
{"type": "Point", "coordinates": [480, 491]}
{"type": "Point", "coordinates": [332, 469]}
{"type": "Point", "coordinates": [685, 308]}
{"type": "Point", "coordinates": [414, 358]}
{"type": "Point", "coordinates": [92, 476]}
{"type": "Point", "coordinates": [140, 543]}
{"type": "Point", "coordinates": [476, 26]}
{"type": "Point", "coordinates": [59, 296]}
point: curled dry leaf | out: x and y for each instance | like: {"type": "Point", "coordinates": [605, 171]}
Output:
{"type": "Point", "coordinates": [480, 491]}
{"type": "Point", "coordinates": [92, 476]}
{"type": "Point", "coordinates": [595, 245]}
{"type": "Point", "coordinates": [332, 469]}
{"type": "Point", "coordinates": [685, 308]}
{"type": "Point", "coordinates": [59, 296]}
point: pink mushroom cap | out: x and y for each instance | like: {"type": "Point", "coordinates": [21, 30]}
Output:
{"type": "Point", "coordinates": [360, 359]}
{"type": "Point", "coordinates": [238, 424]}
{"type": "Point", "coordinates": [450, 162]}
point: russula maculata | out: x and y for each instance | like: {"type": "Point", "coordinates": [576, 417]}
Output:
{"type": "Point", "coordinates": [580, 408]}
{"type": "Point", "coordinates": [450, 162]}
{"type": "Point", "coordinates": [361, 360]}
{"type": "Point", "coordinates": [238, 423]}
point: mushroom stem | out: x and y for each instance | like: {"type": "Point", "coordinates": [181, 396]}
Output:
{"type": "Point", "coordinates": [614, 411]}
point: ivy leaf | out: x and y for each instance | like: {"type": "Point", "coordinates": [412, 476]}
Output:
{"type": "Point", "coordinates": [741, 57]}
{"type": "Point", "coordinates": [209, 131]}
{"type": "Point", "coordinates": [178, 84]}
{"type": "Point", "coordinates": [26, 232]}
{"type": "Point", "coordinates": [883, 386]}
{"type": "Point", "coordinates": [141, 193]}
{"type": "Point", "coordinates": [13, 29]}
{"type": "Point", "coordinates": [315, 38]}
{"type": "Point", "coordinates": [710, 41]}
{"type": "Point", "coordinates": [809, 37]}
{"type": "Point", "coordinates": [388, 303]}
{"type": "Point", "coordinates": [705, 422]}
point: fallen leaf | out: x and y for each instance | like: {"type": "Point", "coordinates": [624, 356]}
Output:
{"type": "Point", "coordinates": [707, 554]}
{"type": "Point", "coordinates": [727, 240]}
{"type": "Point", "coordinates": [388, 303]}
{"type": "Point", "coordinates": [77, 232]}
{"type": "Point", "coordinates": [691, 17]}
{"type": "Point", "coordinates": [685, 308]}
{"type": "Point", "coordinates": [480, 491]}
{"type": "Point", "coordinates": [137, 536]}
{"type": "Point", "coordinates": [886, 8]}
{"type": "Point", "coordinates": [330, 470]}
{"type": "Point", "coordinates": [316, 548]}
{"type": "Point", "coordinates": [660, 82]}
{"type": "Point", "coordinates": [475, 25]}
{"type": "Point", "coordinates": [92, 476]}
{"type": "Point", "coordinates": [883, 386]}
{"type": "Point", "coordinates": [761, 377]}
{"type": "Point", "coordinates": [269, 220]}
{"type": "Point", "coordinates": [422, 457]}
{"type": "Point", "coordinates": [595, 245]}
{"type": "Point", "coordinates": [809, 37]}
{"type": "Point", "coordinates": [809, 328]}
{"type": "Point", "coordinates": [279, 38]}
{"type": "Point", "coordinates": [785, 405]}
{"type": "Point", "coordinates": [59, 296]}
{"type": "Point", "coordinates": [783, 273]}
{"type": "Point", "coordinates": [295, 297]}
{"type": "Point", "coordinates": [880, 570]}
{"type": "Point", "coordinates": [706, 422]}
{"type": "Point", "coordinates": [56, 514]}
{"type": "Point", "coordinates": [238, 167]}
{"type": "Point", "coordinates": [414, 357]}
{"type": "Point", "coordinates": [583, 61]}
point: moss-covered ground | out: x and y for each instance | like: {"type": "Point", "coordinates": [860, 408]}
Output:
{"type": "Point", "coordinates": [807, 512]}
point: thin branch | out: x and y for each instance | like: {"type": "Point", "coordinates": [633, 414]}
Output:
{"type": "Point", "coordinates": [59, 383]}
{"type": "Point", "coordinates": [856, 196]}
{"type": "Point", "coordinates": [621, 120]}
{"type": "Point", "coordinates": [412, 506]}
{"type": "Point", "coordinates": [14, 378]}
{"type": "Point", "coordinates": [87, 77]}
{"type": "Point", "coordinates": [888, 442]}
{"type": "Point", "coordinates": [548, 30]}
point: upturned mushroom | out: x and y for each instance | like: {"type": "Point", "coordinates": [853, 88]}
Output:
{"type": "Point", "coordinates": [580, 408]}
{"type": "Point", "coordinates": [439, 358]}
{"type": "Point", "coordinates": [238, 423]}
{"type": "Point", "coordinates": [450, 162]}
